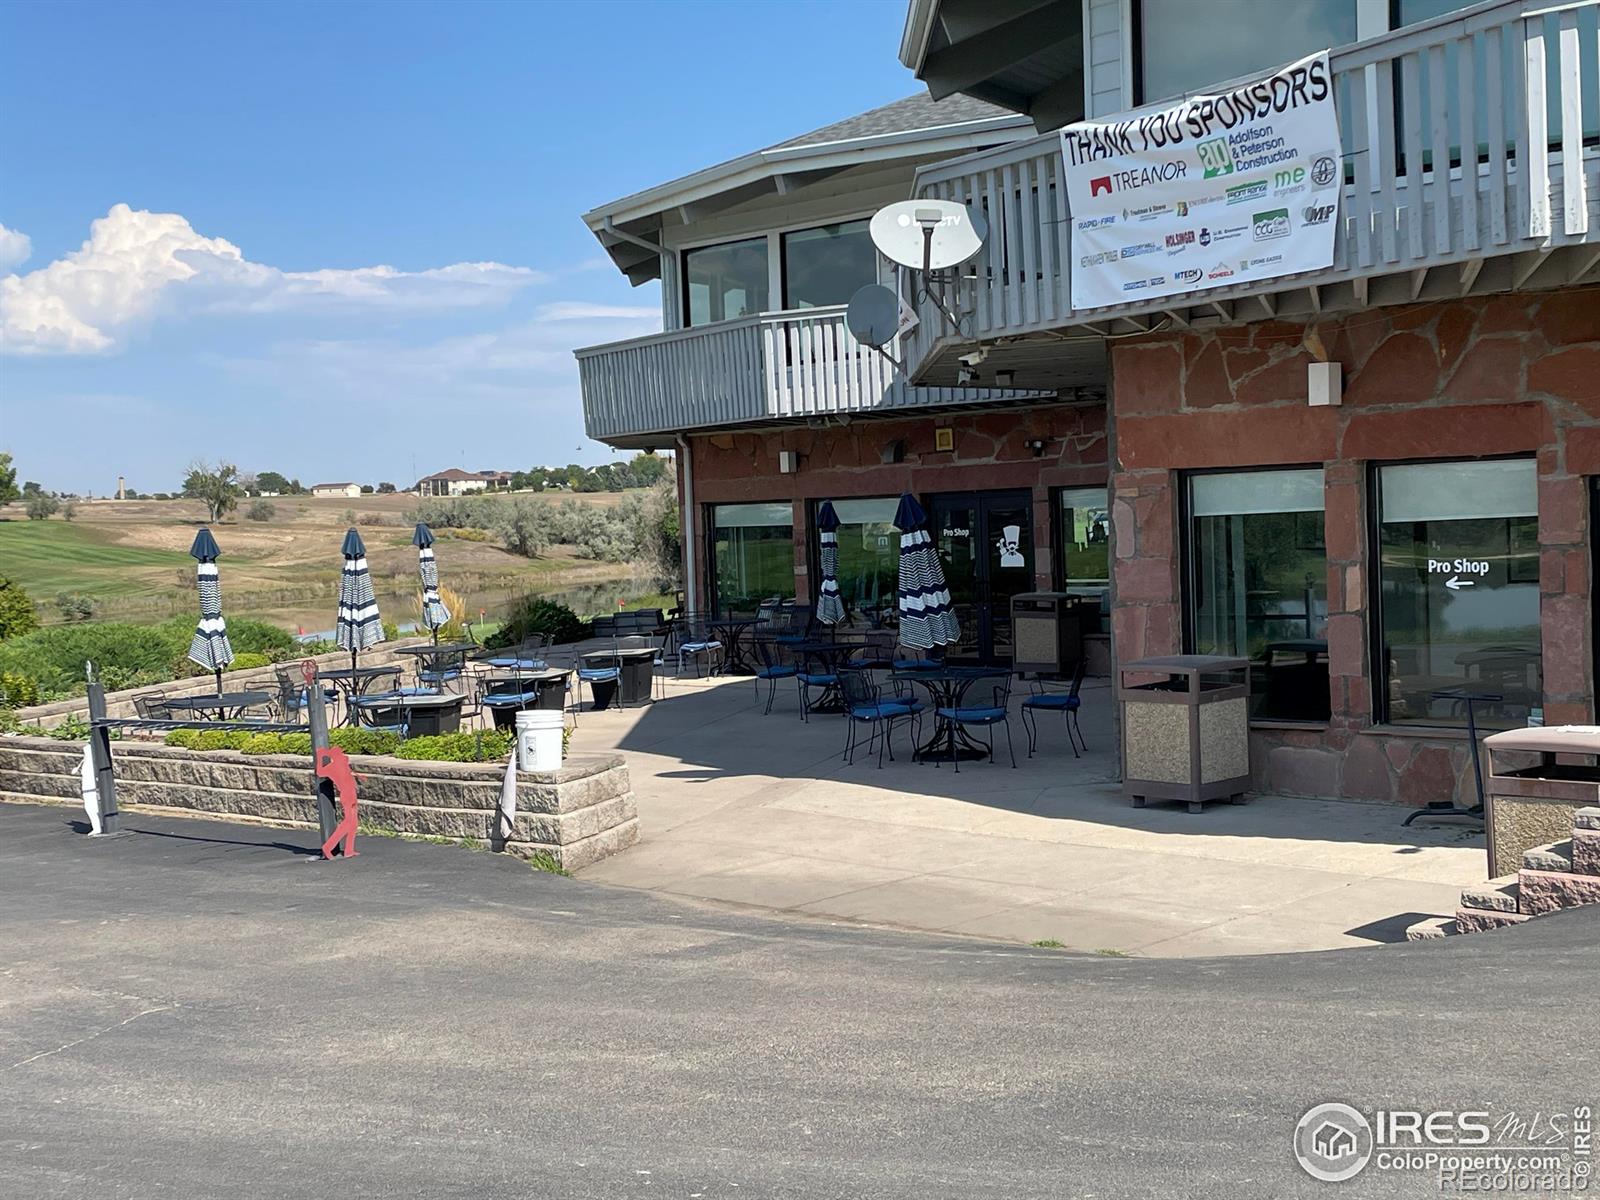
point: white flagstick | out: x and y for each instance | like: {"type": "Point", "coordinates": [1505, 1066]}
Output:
{"type": "Point", "coordinates": [91, 792]}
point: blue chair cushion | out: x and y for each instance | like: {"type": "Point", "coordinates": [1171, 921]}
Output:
{"type": "Point", "coordinates": [880, 711]}
{"type": "Point", "coordinates": [973, 716]}
{"type": "Point", "coordinates": [509, 700]}
{"type": "Point", "coordinates": [811, 680]}
{"type": "Point", "coordinates": [527, 664]}
{"type": "Point", "coordinates": [915, 664]}
{"type": "Point", "coordinates": [439, 676]}
{"type": "Point", "coordinates": [1052, 700]}
{"type": "Point", "coordinates": [598, 674]}
{"type": "Point", "coordinates": [699, 647]}
{"type": "Point", "coordinates": [778, 672]}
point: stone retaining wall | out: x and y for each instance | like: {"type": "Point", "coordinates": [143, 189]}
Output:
{"type": "Point", "coordinates": [265, 679]}
{"type": "Point", "coordinates": [576, 815]}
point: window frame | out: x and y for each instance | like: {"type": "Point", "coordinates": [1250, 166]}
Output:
{"type": "Point", "coordinates": [814, 538]}
{"type": "Point", "coordinates": [683, 273]}
{"type": "Point", "coordinates": [1377, 667]}
{"type": "Point", "coordinates": [713, 606]}
{"type": "Point", "coordinates": [1058, 565]}
{"type": "Point", "coordinates": [1186, 564]}
{"type": "Point", "coordinates": [783, 236]}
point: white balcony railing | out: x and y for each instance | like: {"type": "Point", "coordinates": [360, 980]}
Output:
{"type": "Point", "coordinates": [1513, 82]}
{"type": "Point", "coordinates": [778, 366]}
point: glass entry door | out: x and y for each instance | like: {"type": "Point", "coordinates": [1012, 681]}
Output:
{"type": "Point", "coordinates": [985, 542]}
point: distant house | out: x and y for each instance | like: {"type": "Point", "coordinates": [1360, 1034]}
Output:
{"type": "Point", "coordinates": [457, 482]}
{"type": "Point", "coordinates": [336, 489]}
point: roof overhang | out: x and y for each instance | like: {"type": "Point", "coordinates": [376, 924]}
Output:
{"type": "Point", "coordinates": [1025, 55]}
{"type": "Point", "coordinates": [630, 228]}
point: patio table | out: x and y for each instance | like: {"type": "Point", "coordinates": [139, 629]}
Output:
{"type": "Point", "coordinates": [355, 682]}
{"type": "Point", "coordinates": [731, 632]}
{"type": "Point", "coordinates": [422, 713]}
{"type": "Point", "coordinates": [229, 706]}
{"type": "Point", "coordinates": [946, 689]}
{"type": "Point", "coordinates": [825, 658]}
{"type": "Point", "coordinates": [509, 691]}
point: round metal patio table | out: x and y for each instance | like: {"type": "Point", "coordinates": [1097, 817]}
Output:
{"type": "Point", "coordinates": [731, 633]}
{"type": "Point", "coordinates": [229, 706]}
{"type": "Point", "coordinates": [825, 658]}
{"type": "Point", "coordinates": [946, 689]}
{"type": "Point", "coordinates": [355, 682]}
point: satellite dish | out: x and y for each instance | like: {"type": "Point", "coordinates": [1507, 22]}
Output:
{"type": "Point", "coordinates": [873, 317]}
{"type": "Point", "coordinates": [928, 235]}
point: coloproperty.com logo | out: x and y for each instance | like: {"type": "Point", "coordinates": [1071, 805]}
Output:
{"type": "Point", "coordinates": [1476, 1151]}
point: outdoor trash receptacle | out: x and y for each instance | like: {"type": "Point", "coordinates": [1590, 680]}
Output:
{"type": "Point", "coordinates": [545, 690]}
{"type": "Point", "coordinates": [1185, 733]}
{"type": "Point", "coordinates": [1532, 805]}
{"type": "Point", "coordinates": [635, 675]}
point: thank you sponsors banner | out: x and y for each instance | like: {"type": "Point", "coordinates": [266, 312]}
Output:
{"type": "Point", "coordinates": [1218, 190]}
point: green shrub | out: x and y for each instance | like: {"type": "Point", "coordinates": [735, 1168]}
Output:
{"type": "Point", "coordinates": [486, 746]}
{"type": "Point", "coordinates": [261, 510]}
{"type": "Point", "coordinates": [362, 741]}
{"type": "Point", "coordinates": [536, 614]}
{"type": "Point", "coordinates": [125, 655]}
{"type": "Point", "coordinates": [17, 691]}
{"type": "Point", "coordinates": [249, 661]}
{"type": "Point", "coordinates": [75, 607]}
{"type": "Point", "coordinates": [17, 613]}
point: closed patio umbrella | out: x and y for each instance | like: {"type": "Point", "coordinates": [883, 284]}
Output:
{"type": "Point", "coordinates": [434, 614]}
{"type": "Point", "coordinates": [926, 617]}
{"type": "Point", "coordinates": [830, 605]}
{"type": "Point", "coordinates": [359, 625]}
{"type": "Point", "coordinates": [210, 646]}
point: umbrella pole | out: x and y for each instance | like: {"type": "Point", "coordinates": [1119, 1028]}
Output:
{"type": "Point", "coordinates": [219, 680]}
{"type": "Point", "coordinates": [435, 637]}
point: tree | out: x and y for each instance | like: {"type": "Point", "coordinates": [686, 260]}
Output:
{"type": "Point", "coordinates": [520, 522]}
{"type": "Point", "coordinates": [17, 613]}
{"type": "Point", "coordinates": [32, 488]}
{"type": "Point", "coordinates": [386, 489]}
{"type": "Point", "coordinates": [69, 510]}
{"type": "Point", "coordinates": [216, 486]}
{"type": "Point", "coordinates": [8, 480]}
{"type": "Point", "coordinates": [40, 506]}
{"type": "Point", "coordinates": [366, 489]}
{"type": "Point", "coordinates": [271, 481]}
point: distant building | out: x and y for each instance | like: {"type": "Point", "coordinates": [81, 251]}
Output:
{"type": "Point", "coordinates": [336, 489]}
{"type": "Point", "coordinates": [457, 482]}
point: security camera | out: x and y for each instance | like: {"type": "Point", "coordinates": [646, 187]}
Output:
{"type": "Point", "coordinates": [974, 358]}
{"type": "Point", "coordinates": [967, 375]}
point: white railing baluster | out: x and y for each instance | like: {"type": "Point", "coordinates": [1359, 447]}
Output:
{"type": "Point", "coordinates": [1439, 125]}
{"type": "Point", "coordinates": [1029, 229]}
{"type": "Point", "coordinates": [1467, 131]}
{"type": "Point", "coordinates": [1411, 105]}
{"type": "Point", "coordinates": [1384, 164]}
{"type": "Point", "coordinates": [1494, 51]}
{"type": "Point", "coordinates": [1533, 135]}
{"type": "Point", "coordinates": [1574, 192]}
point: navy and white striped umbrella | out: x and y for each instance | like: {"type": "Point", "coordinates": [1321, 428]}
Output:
{"type": "Point", "coordinates": [359, 625]}
{"type": "Point", "coordinates": [210, 646]}
{"type": "Point", "coordinates": [830, 605]}
{"type": "Point", "coordinates": [926, 616]}
{"type": "Point", "coordinates": [434, 614]}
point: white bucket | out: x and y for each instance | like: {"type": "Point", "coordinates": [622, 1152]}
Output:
{"type": "Point", "coordinates": [539, 739]}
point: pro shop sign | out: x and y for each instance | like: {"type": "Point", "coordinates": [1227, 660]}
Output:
{"type": "Point", "coordinates": [1215, 191]}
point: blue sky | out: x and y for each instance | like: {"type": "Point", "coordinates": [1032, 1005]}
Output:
{"type": "Point", "coordinates": [194, 199]}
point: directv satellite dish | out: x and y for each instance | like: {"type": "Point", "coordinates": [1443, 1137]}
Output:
{"type": "Point", "coordinates": [928, 235]}
{"type": "Point", "coordinates": [873, 317]}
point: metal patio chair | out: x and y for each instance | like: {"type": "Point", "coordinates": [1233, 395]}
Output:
{"type": "Point", "coordinates": [983, 716]}
{"type": "Point", "coordinates": [772, 669]}
{"type": "Point", "coordinates": [1067, 703]}
{"type": "Point", "coordinates": [865, 705]}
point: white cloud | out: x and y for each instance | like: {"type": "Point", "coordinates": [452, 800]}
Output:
{"type": "Point", "coordinates": [137, 266]}
{"type": "Point", "coordinates": [14, 248]}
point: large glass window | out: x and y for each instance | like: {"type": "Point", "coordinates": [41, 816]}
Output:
{"type": "Point", "coordinates": [1187, 47]}
{"type": "Point", "coordinates": [1258, 584]}
{"type": "Point", "coordinates": [722, 283]}
{"type": "Point", "coordinates": [1083, 536]}
{"type": "Point", "coordinates": [827, 265]}
{"type": "Point", "coordinates": [869, 558]}
{"type": "Point", "coordinates": [1459, 591]}
{"type": "Point", "coordinates": [752, 554]}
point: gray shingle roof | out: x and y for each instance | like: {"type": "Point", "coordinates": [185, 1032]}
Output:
{"type": "Point", "coordinates": [914, 112]}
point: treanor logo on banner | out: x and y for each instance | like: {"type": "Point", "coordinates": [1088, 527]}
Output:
{"type": "Point", "coordinates": [1274, 140]}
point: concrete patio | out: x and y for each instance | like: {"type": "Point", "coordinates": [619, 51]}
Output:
{"type": "Point", "coordinates": [742, 809]}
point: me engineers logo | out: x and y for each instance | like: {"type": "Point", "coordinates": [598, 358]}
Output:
{"type": "Point", "coordinates": [1333, 1142]}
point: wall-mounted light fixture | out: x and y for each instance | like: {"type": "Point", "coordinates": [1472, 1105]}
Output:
{"type": "Point", "coordinates": [788, 462]}
{"type": "Point", "coordinates": [967, 375]}
{"type": "Point", "coordinates": [894, 451]}
{"type": "Point", "coordinates": [1037, 445]}
{"type": "Point", "coordinates": [1324, 384]}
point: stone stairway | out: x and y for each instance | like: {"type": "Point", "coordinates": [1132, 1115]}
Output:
{"type": "Point", "coordinates": [1559, 875]}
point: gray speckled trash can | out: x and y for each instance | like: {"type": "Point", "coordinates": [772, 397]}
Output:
{"type": "Point", "coordinates": [1185, 729]}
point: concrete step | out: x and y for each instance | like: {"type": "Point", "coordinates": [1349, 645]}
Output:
{"type": "Point", "coordinates": [1433, 927]}
{"type": "Point", "coordinates": [1557, 856]}
{"type": "Point", "coordinates": [1546, 891]}
{"type": "Point", "coordinates": [1586, 818]}
{"type": "Point", "coordinates": [1498, 895]}
{"type": "Point", "coordinates": [1586, 851]}
{"type": "Point", "coordinates": [1475, 920]}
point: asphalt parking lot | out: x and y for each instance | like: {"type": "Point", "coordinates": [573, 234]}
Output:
{"type": "Point", "coordinates": [201, 1009]}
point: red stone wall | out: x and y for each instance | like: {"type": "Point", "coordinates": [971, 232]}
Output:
{"type": "Point", "coordinates": [1500, 375]}
{"type": "Point", "coordinates": [844, 461]}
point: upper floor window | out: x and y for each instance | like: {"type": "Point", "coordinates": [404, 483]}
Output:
{"type": "Point", "coordinates": [722, 283]}
{"type": "Point", "coordinates": [827, 265]}
{"type": "Point", "coordinates": [1186, 47]}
